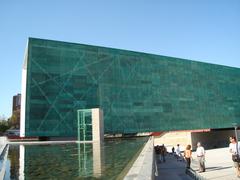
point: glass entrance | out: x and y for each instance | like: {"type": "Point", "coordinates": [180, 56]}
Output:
{"type": "Point", "coordinates": [84, 124]}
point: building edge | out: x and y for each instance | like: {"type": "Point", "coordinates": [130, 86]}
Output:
{"type": "Point", "coordinates": [23, 92]}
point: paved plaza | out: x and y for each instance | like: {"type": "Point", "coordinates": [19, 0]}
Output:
{"type": "Point", "coordinates": [171, 169]}
{"type": "Point", "coordinates": [219, 166]}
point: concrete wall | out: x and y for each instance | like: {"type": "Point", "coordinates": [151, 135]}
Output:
{"type": "Point", "coordinates": [170, 139]}
{"type": "Point", "coordinates": [144, 166]}
{"type": "Point", "coordinates": [3, 143]}
{"type": "Point", "coordinates": [4, 163]}
{"type": "Point", "coordinates": [212, 139]}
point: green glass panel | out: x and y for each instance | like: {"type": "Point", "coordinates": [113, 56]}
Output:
{"type": "Point", "coordinates": [137, 92]}
{"type": "Point", "coordinates": [84, 125]}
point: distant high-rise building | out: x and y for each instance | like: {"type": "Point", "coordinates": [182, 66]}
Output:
{"type": "Point", "coordinates": [16, 109]}
{"type": "Point", "coordinates": [16, 102]}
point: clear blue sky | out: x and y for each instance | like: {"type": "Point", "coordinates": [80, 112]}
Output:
{"type": "Point", "coordinates": [202, 30]}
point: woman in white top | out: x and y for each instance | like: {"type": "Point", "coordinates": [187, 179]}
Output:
{"type": "Point", "coordinates": [178, 152]}
{"type": "Point", "coordinates": [233, 151]}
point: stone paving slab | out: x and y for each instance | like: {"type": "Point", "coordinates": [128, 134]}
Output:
{"type": "Point", "coordinates": [172, 169]}
{"type": "Point", "coordinates": [143, 169]}
{"type": "Point", "coordinates": [219, 165]}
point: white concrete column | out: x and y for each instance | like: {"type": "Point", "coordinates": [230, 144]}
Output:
{"type": "Point", "coordinates": [97, 125]}
{"type": "Point", "coordinates": [23, 103]}
{"type": "Point", "coordinates": [23, 94]}
{"type": "Point", "coordinates": [97, 159]}
{"type": "Point", "coordinates": [21, 162]}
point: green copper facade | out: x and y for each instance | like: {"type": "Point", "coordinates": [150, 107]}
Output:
{"type": "Point", "coordinates": [137, 92]}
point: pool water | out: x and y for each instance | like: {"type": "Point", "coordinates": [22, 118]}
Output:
{"type": "Point", "coordinates": [72, 161]}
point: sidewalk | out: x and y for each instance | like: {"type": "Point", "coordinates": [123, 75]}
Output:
{"type": "Point", "coordinates": [219, 165]}
{"type": "Point", "coordinates": [171, 169]}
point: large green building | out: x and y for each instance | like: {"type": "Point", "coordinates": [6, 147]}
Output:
{"type": "Point", "coordinates": [137, 92]}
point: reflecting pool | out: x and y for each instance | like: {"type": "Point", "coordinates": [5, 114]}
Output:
{"type": "Point", "coordinates": [110, 160]}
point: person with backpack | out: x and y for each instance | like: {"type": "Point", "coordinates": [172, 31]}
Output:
{"type": "Point", "coordinates": [235, 155]}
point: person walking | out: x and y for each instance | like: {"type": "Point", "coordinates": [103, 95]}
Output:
{"type": "Point", "coordinates": [235, 156]}
{"type": "Point", "coordinates": [158, 155]}
{"type": "Point", "coordinates": [201, 157]}
{"type": "Point", "coordinates": [173, 150]}
{"type": "Point", "coordinates": [178, 153]}
{"type": "Point", "coordinates": [163, 152]}
{"type": "Point", "coordinates": [188, 155]}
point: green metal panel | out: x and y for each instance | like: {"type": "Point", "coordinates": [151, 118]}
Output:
{"type": "Point", "coordinates": [84, 124]}
{"type": "Point", "coordinates": [138, 92]}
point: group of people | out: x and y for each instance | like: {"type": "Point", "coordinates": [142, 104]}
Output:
{"type": "Point", "coordinates": [187, 155]}
{"type": "Point", "coordinates": [200, 153]}
{"type": "Point", "coordinates": [161, 151]}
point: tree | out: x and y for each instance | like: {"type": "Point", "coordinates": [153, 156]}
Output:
{"type": "Point", "coordinates": [14, 120]}
{"type": "Point", "coordinates": [3, 124]}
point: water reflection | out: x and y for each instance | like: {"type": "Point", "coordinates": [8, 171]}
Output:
{"type": "Point", "coordinates": [84, 159]}
{"type": "Point", "coordinates": [71, 161]}
{"type": "Point", "coordinates": [21, 162]}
